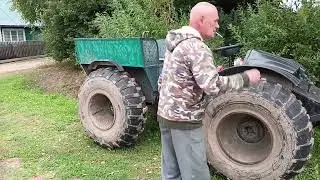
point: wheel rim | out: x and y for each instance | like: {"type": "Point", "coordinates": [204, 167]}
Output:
{"type": "Point", "coordinates": [244, 138]}
{"type": "Point", "coordinates": [102, 112]}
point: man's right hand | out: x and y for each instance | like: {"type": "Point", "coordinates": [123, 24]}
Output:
{"type": "Point", "coordinates": [254, 75]}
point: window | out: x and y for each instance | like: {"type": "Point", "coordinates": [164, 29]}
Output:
{"type": "Point", "coordinates": [13, 35]}
{"type": "Point", "coordinates": [6, 35]}
{"type": "Point", "coordinates": [20, 35]}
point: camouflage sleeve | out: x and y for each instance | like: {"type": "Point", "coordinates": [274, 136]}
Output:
{"type": "Point", "coordinates": [200, 60]}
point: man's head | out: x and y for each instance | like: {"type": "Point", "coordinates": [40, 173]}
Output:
{"type": "Point", "coordinates": [205, 19]}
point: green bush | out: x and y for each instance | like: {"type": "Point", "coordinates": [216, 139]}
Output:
{"type": "Point", "coordinates": [279, 29]}
{"type": "Point", "coordinates": [66, 20]}
{"type": "Point", "coordinates": [139, 18]}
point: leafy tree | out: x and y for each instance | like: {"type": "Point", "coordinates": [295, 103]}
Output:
{"type": "Point", "coordinates": [281, 30]}
{"type": "Point", "coordinates": [31, 9]}
{"type": "Point", "coordinates": [63, 20]}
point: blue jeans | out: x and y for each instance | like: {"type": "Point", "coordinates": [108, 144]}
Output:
{"type": "Point", "coordinates": [183, 154]}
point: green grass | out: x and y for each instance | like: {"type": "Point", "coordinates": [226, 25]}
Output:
{"type": "Point", "coordinates": [44, 132]}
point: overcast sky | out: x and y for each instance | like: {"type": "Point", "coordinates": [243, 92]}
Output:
{"type": "Point", "coordinates": [292, 3]}
{"type": "Point", "coordinates": [8, 17]}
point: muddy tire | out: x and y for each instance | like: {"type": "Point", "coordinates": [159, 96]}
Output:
{"type": "Point", "coordinates": [258, 133]}
{"type": "Point", "coordinates": [111, 108]}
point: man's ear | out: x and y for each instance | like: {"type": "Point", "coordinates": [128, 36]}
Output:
{"type": "Point", "coordinates": [201, 20]}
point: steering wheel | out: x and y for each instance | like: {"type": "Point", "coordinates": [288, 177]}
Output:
{"type": "Point", "coordinates": [228, 51]}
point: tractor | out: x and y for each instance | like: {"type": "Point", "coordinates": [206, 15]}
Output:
{"type": "Point", "coordinates": [264, 131]}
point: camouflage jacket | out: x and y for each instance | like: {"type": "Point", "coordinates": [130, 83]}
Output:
{"type": "Point", "coordinates": [188, 72]}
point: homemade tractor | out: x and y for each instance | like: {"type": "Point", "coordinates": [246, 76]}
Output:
{"type": "Point", "coordinates": [260, 132]}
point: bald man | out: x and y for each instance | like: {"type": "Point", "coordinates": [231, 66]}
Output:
{"type": "Point", "coordinates": [188, 73]}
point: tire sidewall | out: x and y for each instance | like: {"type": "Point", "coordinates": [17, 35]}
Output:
{"type": "Point", "coordinates": [280, 158]}
{"type": "Point", "coordinates": [100, 85]}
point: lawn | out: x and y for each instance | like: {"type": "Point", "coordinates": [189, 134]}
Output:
{"type": "Point", "coordinates": [41, 137]}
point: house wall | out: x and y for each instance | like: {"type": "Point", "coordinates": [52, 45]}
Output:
{"type": "Point", "coordinates": [0, 34]}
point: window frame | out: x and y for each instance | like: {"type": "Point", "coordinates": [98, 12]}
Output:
{"type": "Point", "coordinates": [17, 33]}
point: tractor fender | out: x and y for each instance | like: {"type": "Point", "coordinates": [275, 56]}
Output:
{"type": "Point", "coordinates": [265, 68]}
{"type": "Point", "coordinates": [307, 93]}
{"type": "Point", "coordinates": [105, 63]}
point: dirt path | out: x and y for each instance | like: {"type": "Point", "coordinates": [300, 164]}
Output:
{"type": "Point", "coordinates": [17, 66]}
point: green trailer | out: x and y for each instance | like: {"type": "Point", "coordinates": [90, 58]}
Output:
{"type": "Point", "coordinates": [142, 58]}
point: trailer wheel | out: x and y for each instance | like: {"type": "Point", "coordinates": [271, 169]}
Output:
{"type": "Point", "coordinates": [262, 132]}
{"type": "Point", "coordinates": [112, 108]}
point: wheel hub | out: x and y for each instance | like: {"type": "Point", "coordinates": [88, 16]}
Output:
{"type": "Point", "coordinates": [102, 112]}
{"type": "Point", "coordinates": [244, 138]}
{"type": "Point", "coordinates": [251, 131]}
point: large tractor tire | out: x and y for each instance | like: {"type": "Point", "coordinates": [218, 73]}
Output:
{"type": "Point", "coordinates": [262, 132]}
{"type": "Point", "coordinates": [112, 108]}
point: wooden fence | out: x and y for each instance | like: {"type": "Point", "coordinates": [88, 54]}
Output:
{"type": "Point", "coordinates": [10, 50]}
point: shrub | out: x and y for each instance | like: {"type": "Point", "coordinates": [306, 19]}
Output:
{"type": "Point", "coordinates": [281, 30]}
{"type": "Point", "coordinates": [139, 18]}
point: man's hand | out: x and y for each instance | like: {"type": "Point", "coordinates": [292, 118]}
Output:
{"type": "Point", "coordinates": [238, 62]}
{"type": "Point", "coordinates": [220, 68]}
{"type": "Point", "coordinates": [254, 75]}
